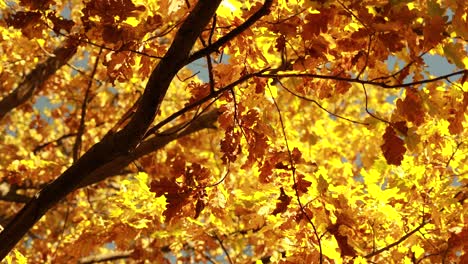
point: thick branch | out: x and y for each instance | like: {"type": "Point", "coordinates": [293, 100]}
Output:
{"type": "Point", "coordinates": [35, 79]}
{"type": "Point", "coordinates": [121, 143]}
{"type": "Point", "coordinates": [152, 144]}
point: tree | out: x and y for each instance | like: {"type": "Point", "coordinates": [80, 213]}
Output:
{"type": "Point", "coordinates": [309, 132]}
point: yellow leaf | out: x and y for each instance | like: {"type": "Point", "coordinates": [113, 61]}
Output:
{"type": "Point", "coordinates": [20, 259]}
{"type": "Point", "coordinates": [360, 260]}
{"type": "Point", "coordinates": [418, 251]}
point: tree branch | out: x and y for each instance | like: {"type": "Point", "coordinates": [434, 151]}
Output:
{"type": "Point", "coordinates": [124, 141]}
{"type": "Point", "coordinates": [37, 77]}
{"type": "Point", "coordinates": [152, 144]}
{"type": "Point", "coordinates": [263, 11]}
{"type": "Point", "coordinates": [396, 243]}
{"type": "Point", "coordinates": [84, 106]}
{"type": "Point", "coordinates": [105, 257]}
{"type": "Point", "coordinates": [344, 79]}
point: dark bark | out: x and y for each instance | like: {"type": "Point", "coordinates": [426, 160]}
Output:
{"type": "Point", "coordinates": [122, 142]}
{"type": "Point", "coordinates": [152, 144]}
{"type": "Point", "coordinates": [36, 78]}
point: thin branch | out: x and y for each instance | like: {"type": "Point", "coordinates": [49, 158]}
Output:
{"type": "Point", "coordinates": [223, 248]}
{"type": "Point", "coordinates": [84, 105]}
{"type": "Point", "coordinates": [453, 154]}
{"type": "Point", "coordinates": [367, 57]}
{"type": "Point", "coordinates": [263, 11]}
{"type": "Point", "coordinates": [353, 80]}
{"type": "Point", "coordinates": [293, 172]}
{"type": "Point", "coordinates": [320, 106]}
{"type": "Point", "coordinates": [367, 109]}
{"type": "Point", "coordinates": [208, 57]}
{"type": "Point", "coordinates": [58, 141]}
{"type": "Point", "coordinates": [106, 257]}
{"type": "Point", "coordinates": [219, 181]}
{"type": "Point", "coordinates": [396, 243]}
{"type": "Point", "coordinates": [205, 99]}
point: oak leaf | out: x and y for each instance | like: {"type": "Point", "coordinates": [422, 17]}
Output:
{"type": "Point", "coordinates": [282, 204]}
{"type": "Point", "coordinates": [301, 184]}
{"type": "Point", "coordinates": [393, 148]}
{"type": "Point", "coordinates": [411, 107]}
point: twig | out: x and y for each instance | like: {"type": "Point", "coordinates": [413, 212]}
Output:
{"type": "Point", "coordinates": [217, 93]}
{"type": "Point", "coordinates": [293, 172]}
{"type": "Point", "coordinates": [396, 243]}
{"type": "Point", "coordinates": [354, 80]}
{"type": "Point", "coordinates": [223, 248]}
{"type": "Point", "coordinates": [58, 140]}
{"type": "Point", "coordinates": [264, 10]}
{"type": "Point", "coordinates": [367, 109]}
{"type": "Point", "coordinates": [105, 257]}
{"type": "Point", "coordinates": [84, 105]}
{"type": "Point", "coordinates": [320, 106]}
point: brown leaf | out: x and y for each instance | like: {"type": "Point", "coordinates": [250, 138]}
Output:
{"type": "Point", "coordinates": [411, 107]}
{"type": "Point", "coordinates": [60, 23]}
{"type": "Point", "coordinates": [316, 23]}
{"type": "Point", "coordinates": [458, 116]}
{"type": "Point", "coordinates": [433, 31]}
{"type": "Point", "coordinates": [342, 240]}
{"type": "Point", "coordinates": [393, 148]}
{"type": "Point", "coordinates": [164, 186]}
{"type": "Point", "coordinates": [110, 10]}
{"type": "Point", "coordinates": [37, 4]}
{"type": "Point", "coordinates": [401, 127]}
{"type": "Point", "coordinates": [282, 204]}
{"type": "Point", "coordinates": [456, 123]}
{"type": "Point", "coordinates": [201, 202]}
{"type": "Point", "coordinates": [30, 23]}
{"type": "Point", "coordinates": [230, 145]}
{"type": "Point", "coordinates": [301, 184]}
{"type": "Point", "coordinates": [175, 204]}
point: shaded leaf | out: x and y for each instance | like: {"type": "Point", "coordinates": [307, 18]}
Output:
{"type": "Point", "coordinates": [282, 204]}
{"type": "Point", "coordinates": [411, 107]}
{"type": "Point", "coordinates": [301, 184]}
{"type": "Point", "coordinates": [393, 148]}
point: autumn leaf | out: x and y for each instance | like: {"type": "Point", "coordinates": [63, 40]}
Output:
{"type": "Point", "coordinates": [411, 107]}
{"type": "Point", "coordinates": [60, 23]}
{"type": "Point", "coordinates": [37, 5]}
{"type": "Point", "coordinates": [112, 136]}
{"type": "Point", "coordinates": [458, 116]}
{"type": "Point", "coordinates": [433, 31]}
{"type": "Point", "coordinates": [165, 186]}
{"type": "Point", "coordinates": [301, 184]}
{"type": "Point", "coordinates": [282, 204]}
{"type": "Point", "coordinates": [316, 23]}
{"type": "Point", "coordinates": [393, 148]}
{"type": "Point", "coordinates": [30, 23]}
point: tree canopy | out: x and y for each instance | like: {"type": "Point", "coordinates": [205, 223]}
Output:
{"type": "Point", "coordinates": [234, 131]}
